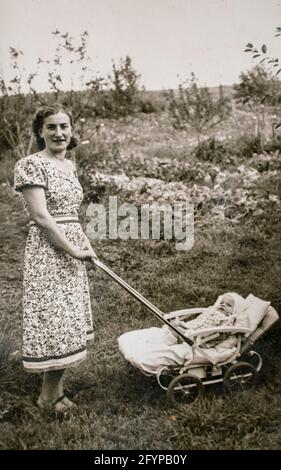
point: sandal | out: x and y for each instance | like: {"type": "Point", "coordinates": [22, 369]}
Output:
{"type": "Point", "coordinates": [61, 405]}
{"type": "Point", "coordinates": [67, 402]}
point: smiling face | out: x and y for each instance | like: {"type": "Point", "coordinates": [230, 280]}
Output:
{"type": "Point", "coordinates": [226, 305]}
{"type": "Point", "coordinates": [56, 132]}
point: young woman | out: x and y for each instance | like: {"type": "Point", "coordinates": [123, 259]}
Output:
{"type": "Point", "coordinates": [57, 317]}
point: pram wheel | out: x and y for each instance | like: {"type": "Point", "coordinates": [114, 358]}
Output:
{"type": "Point", "coordinates": [184, 389]}
{"type": "Point", "coordinates": [240, 377]}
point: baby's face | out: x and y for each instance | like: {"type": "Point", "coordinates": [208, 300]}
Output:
{"type": "Point", "coordinates": [226, 305]}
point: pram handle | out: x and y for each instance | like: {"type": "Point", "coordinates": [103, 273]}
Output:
{"type": "Point", "coordinates": [158, 313]}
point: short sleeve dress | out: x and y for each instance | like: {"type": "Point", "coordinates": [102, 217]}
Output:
{"type": "Point", "coordinates": [57, 315]}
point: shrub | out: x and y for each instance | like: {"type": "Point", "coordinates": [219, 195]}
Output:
{"type": "Point", "coordinates": [124, 89]}
{"type": "Point", "coordinates": [146, 107]}
{"type": "Point", "coordinates": [152, 101]}
{"type": "Point", "coordinates": [273, 145]}
{"type": "Point", "coordinates": [257, 86]}
{"type": "Point", "coordinates": [247, 145]}
{"type": "Point", "coordinates": [19, 99]}
{"type": "Point", "coordinates": [196, 108]}
{"type": "Point", "coordinates": [227, 151]}
{"type": "Point", "coordinates": [213, 150]}
{"type": "Point", "coordinates": [102, 153]}
{"type": "Point", "coordinates": [15, 118]}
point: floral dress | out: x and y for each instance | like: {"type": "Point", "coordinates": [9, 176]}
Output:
{"type": "Point", "coordinates": [57, 316]}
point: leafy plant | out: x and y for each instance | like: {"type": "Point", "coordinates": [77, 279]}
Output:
{"type": "Point", "coordinates": [268, 88]}
{"type": "Point", "coordinates": [16, 107]}
{"type": "Point", "coordinates": [212, 150]}
{"type": "Point", "coordinates": [124, 89]}
{"type": "Point", "coordinates": [258, 87]}
{"type": "Point", "coordinates": [196, 108]}
{"type": "Point", "coordinates": [262, 53]}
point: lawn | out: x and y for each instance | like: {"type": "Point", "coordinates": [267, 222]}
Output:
{"type": "Point", "coordinates": [236, 248]}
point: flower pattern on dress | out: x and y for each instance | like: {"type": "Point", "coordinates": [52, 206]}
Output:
{"type": "Point", "coordinates": [57, 315]}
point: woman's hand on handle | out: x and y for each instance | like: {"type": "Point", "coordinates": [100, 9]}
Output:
{"type": "Point", "coordinates": [85, 255]}
{"type": "Point", "coordinates": [86, 245]}
{"type": "Point", "coordinates": [86, 252]}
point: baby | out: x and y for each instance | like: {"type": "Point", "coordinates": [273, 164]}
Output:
{"type": "Point", "coordinates": [223, 314]}
{"type": "Point", "coordinates": [220, 315]}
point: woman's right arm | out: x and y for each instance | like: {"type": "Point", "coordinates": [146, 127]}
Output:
{"type": "Point", "coordinates": [36, 202]}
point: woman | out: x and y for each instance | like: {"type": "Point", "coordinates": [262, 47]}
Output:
{"type": "Point", "coordinates": [57, 319]}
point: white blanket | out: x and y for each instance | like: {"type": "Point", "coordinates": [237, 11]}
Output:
{"type": "Point", "coordinates": [151, 348]}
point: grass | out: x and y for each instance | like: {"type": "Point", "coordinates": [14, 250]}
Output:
{"type": "Point", "coordinates": [119, 408]}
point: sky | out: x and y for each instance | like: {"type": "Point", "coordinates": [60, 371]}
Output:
{"type": "Point", "coordinates": [166, 39]}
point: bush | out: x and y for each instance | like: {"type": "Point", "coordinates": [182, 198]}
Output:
{"type": "Point", "coordinates": [15, 118]}
{"type": "Point", "coordinates": [152, 101]}
{"type": "Point", "coordinates": [216, 151]}
{"type": "Point", "coordinates": [247, 145]}
{"type": "Point", "coordinates": [213, 150]}
{"type": "Point", "coordinates": [273, 145]}
{"type": "Point", "coordinates": [258, 86]}
{"type": "Point", "coordinates": [102, 153]}
{"type": "Point", "coordinates": [146, 107]}
{"type": "Point", "coordinates": [196, 108]}
{"type": "Point", "coordinates": [124, 90]}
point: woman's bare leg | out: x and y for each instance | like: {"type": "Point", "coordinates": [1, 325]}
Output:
{"type": "Point", "coordinates": [52, 390]}
{"type": "Point", "coordinates": [52, 386]}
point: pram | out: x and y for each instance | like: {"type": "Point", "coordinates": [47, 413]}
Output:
{"type": "Point", "coordinates": [184, 369]}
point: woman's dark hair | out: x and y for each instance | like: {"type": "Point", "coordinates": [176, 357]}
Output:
{"type": "Point", "coordinates": [38, 122]}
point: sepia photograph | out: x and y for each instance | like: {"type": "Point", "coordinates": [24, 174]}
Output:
{"type": "Point", "coordinates": [140, 190]}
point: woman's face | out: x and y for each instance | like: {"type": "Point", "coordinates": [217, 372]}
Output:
{"type": "Point", "coordinates": [56, 132]}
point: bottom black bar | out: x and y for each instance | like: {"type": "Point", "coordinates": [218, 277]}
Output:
{"type": "Point", "coordinates": [128, 458]}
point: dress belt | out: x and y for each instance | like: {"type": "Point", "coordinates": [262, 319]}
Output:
{"type": "Point", "coordinates": [60, 219]}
